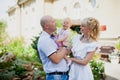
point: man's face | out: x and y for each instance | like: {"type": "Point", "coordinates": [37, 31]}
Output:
{"type": "Point", "coordinates": [52, 25]}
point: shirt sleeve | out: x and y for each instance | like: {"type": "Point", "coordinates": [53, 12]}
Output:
{"type": "Point", "coordinates": [48, 47]}
{"type": "Point", "coordinates": [92, 47]}
{"type": "Point", "coordinates": [98, 47]}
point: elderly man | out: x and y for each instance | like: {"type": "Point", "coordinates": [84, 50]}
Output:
{"type": "Point", "coordinates": [52, 58]}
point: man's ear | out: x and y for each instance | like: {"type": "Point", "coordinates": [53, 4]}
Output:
{"type": "Point", "coordinates": [46, 26]}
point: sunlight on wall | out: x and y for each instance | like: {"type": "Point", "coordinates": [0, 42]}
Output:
{"type": "Point", "coordinates": [25, 20]}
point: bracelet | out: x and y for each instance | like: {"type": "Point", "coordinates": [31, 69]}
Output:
{"type": "Point", "coordinates": [68, 48]}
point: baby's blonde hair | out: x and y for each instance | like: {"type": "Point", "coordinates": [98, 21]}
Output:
{"type": "Point", "coordinates": [94, 25]}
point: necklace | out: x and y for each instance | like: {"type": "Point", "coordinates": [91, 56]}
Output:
{"type": "Point", "coordinates": [85, 40]}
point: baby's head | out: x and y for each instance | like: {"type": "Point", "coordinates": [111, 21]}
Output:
{"type": "Point", "coordinates": [66, 23]}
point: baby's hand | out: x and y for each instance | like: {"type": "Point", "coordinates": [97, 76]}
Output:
{"type": "Point", "coordinates": [68, 49]}
{"type": "Point", "coordinates": [68, 60]}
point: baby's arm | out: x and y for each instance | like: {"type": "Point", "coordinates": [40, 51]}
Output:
{"type": "Point", "coordinates": [62, 39]}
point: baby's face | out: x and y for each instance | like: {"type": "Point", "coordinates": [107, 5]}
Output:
{"type": "Point", "coordinates": [66, 24]}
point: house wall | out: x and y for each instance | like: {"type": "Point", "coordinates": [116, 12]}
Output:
{"type": "Point", "coordinates": [106, 11]}
{"type": "Point", "coordinates": [28, 20]}
{"type": "Point", "coordinates": [13, 28]}
{"type": "Point", "coordinates": [25, 20]}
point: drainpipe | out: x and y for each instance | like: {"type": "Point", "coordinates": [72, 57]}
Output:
{"type": "Point", "coordinates": [20, 21]}
{"type": "Point", "coordinates": [20, 18]}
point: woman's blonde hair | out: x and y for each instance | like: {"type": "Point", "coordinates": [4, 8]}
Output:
{"type": "Point", "coordinates": [94, 25]}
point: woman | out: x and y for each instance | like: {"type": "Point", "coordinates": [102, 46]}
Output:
{"type": "Point", "coordinates": [84, 47]}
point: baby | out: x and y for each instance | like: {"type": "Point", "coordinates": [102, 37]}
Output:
{"type": "Point", "coordinates": [63, 35]}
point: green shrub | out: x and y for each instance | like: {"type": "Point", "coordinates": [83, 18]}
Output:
{"type": "Point", "coordinates": [34, 46]}
{"type": "Point", "coordinates": [59, 23]}
{"type": "Point", "coordinates": [16, 46]}
{"type": "Point", "coordinates": [3, 33]}
{"type": "Point", "coordinates": [97, 67]}
{"type": "Point", "coordinates": [25, 53]}
{"type": "Point", "coordinates": [118, 45]}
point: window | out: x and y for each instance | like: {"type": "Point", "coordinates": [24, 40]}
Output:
{"type": "Point", "coordinates": [92, 3]}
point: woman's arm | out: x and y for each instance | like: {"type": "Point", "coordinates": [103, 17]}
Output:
{"type": "Point", "coordinates": [84, 61]}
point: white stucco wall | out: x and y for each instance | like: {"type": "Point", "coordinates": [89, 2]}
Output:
{"type": "Point", "coordinates": [25, 21]}
{"type": "Point", "coordinates": [109, 14]}
{"type": "Point", "coordinates": [106, 11]}
{"type": "Point", "coordinates": [13, 27]}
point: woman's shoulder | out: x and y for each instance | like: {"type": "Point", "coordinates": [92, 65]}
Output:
{"type": "Point", "coordinates": [78, 36]}
{"type": "Point", "coordinates": [94, 44]}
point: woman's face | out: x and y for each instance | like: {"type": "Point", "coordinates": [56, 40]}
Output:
{"type": "Point", "coordinates": [85, 29]}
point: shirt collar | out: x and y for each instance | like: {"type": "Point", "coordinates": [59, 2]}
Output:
{"type": "Point", "coordinates": [46, 34]}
